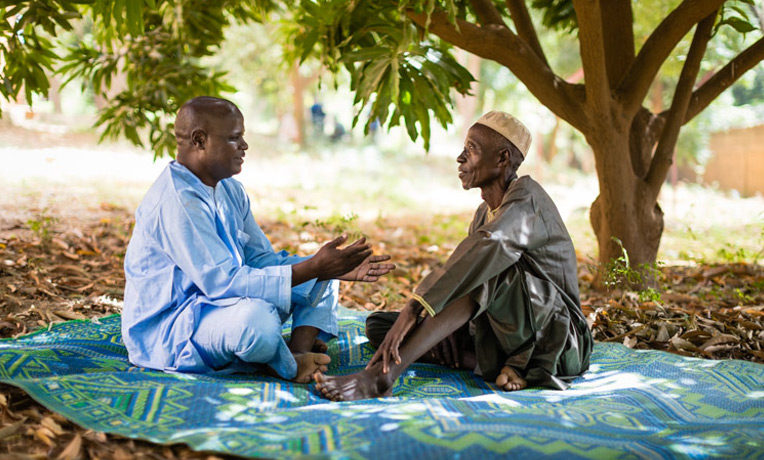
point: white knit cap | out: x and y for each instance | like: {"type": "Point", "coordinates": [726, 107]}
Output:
{"type": "Point", "coordinates": [509, 127]}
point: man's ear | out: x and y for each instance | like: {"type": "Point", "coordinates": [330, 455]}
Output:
{"type": "Point", "coordinates": [502, 159]}
{"type": "Point", "coordinates": [199, 139]}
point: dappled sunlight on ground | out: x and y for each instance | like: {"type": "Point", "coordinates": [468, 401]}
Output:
{"type": "Point", "coordinates": [363, 181]}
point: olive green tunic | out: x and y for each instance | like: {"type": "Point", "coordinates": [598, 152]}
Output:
{"type": "Point", "coordinates": [518, 264]}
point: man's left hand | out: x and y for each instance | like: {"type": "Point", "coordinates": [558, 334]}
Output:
{"type": "Point", "coordinates": [370, 270]}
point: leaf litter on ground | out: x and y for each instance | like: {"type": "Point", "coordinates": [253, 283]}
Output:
{"type": "Point", "coordinates": [73, 270]}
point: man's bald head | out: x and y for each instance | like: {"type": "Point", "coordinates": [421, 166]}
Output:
{"type": "Point", "coordinates": [196, 114]}
{"type": "Point", "coordinates": [210, 136]}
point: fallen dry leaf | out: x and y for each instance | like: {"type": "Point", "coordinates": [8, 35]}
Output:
{"type": "Point", "coordinates": [10, 430]}
{"type": "Point", "coordinates": [705, 311]}
{"type": "Point", "coordinates": [51, 425]}
{"type": "Point", "coordinates": [73, 450]}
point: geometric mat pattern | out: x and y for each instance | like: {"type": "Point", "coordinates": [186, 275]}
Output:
{"type": "Point", "coordinates": [630, 404]}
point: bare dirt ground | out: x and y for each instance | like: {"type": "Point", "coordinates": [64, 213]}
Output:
{"type": "Point", "coordinates": [67, 217]}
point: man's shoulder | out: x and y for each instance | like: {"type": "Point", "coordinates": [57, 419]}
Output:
{"type": "Point", "coordinates": [173, 187]}
{"type": "Point", "coordinates": [527, 187]}
{"type": "Point", "coordinates": [234, 188]}
{"type": "Point", "coordinates": [527, 183]}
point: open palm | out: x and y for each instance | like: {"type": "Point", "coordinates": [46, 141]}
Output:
{"type": "Point", "coordinates": [369, 270]}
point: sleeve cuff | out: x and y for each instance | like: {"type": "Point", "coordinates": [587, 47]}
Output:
{"type": "Point", "coordinates": [317, 293]}
{"type": "Point", "coordinates": [309, 293]}
{"type": "Point", "coordinates": [282, 294]}
{"type": "Point", "coordinates": [424, 303]}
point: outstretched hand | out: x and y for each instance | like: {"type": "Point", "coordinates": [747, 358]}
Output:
{"type": "Point", "coordinates": [388, 350]}
{"type": "Point", "coordinates": [331, 261]}
{"type": "Point", "coordinates": [370, 270]}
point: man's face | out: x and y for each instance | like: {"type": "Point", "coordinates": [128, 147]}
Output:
{"type": "Point", "coordinates": [224, 150]}
{"type": "Point", "coordinates": [478, 162]}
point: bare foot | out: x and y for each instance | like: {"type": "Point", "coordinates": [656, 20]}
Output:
{"type": "Point", "coordinates": [310, 363]}
{"type": "Point", "coordinates": [366, 384]}
{"type": "Point", "coordinates": [508, 380]}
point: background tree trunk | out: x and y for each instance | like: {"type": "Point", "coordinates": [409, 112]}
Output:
{"type": "Point", "coordinates": [624, 209]}
{"type": "Point", "coordinates": [298, 102]}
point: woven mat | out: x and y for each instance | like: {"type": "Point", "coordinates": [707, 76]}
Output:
{"type": "Point", "coordinates": [630, 404]}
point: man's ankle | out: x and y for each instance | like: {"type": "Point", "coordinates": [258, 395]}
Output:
{"type": "Point", "coordinates": [303, 338]}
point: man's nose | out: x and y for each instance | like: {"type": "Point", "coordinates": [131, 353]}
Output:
{"type": "Point", "coordinates": [244, 145]}
{"type": "Point", "coordinates": [461, 158]}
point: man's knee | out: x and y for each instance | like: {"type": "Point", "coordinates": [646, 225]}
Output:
{"type": "Point", "coordinates": [255, 324]}
{"type": "Point", "coordinates": [377, 325]}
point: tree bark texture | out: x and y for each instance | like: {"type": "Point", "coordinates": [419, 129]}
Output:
{"type": "Point", "coordinates": [623, 216]}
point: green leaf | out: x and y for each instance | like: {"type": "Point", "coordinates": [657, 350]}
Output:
{"type": "Point", "coordinates": [308, 42]}
{"type": "Point", "coordinates": [135, 17]}
{"type": "Point", "coordinates": [738, 24]}
{"type": "Point", "coordinates": [365, 54]}
{"type": "Point", "coordinates": [371, 77]}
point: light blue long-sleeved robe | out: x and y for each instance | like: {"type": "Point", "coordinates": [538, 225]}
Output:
{"type": "Point", "coordinates": [195, 247]}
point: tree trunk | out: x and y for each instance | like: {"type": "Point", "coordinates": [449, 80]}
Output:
{"type": "Point", "coordinates": [623, 209]}
{"type": "Point", "coordinates": [54, 93]}
{"type": "Point", "coordinates": [298, 102]}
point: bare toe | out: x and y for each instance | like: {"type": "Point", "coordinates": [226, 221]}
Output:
{"type": "Point", "coordinates": [319, 346]}
{"type": "Point", "coordinates": [510, 380]}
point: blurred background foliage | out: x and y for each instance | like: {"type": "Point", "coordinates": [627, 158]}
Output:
{"type": "Point", "coordinates": [132, 62]}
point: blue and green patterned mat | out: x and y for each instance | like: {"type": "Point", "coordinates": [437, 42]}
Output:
{"type": "Point", "coordinates": [629, 405]}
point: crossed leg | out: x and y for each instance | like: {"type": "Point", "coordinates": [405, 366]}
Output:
{"type": "Point", "coordinates": [249, 330]}
{"type": "Point", "coordinates": [373, 382]}
{"type": "Point", "coordinates": [456, 351]}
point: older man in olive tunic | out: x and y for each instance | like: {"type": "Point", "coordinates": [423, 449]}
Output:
{"type": "Point", "coordinates": [514, 277]}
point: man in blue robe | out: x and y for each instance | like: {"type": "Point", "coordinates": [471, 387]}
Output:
{"type": "Point", "coordinates": [205, 291]}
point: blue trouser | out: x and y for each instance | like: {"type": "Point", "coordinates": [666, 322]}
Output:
{"type": "Point", "coordinates": [248, 331]}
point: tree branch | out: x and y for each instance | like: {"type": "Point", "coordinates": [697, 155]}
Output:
{"type": "Point", "coordinates": [487, 13]}
{"type": "Point", "coordinates": [592, 47]}
{"type": "Point", "coordinates": [500, 44]}
{"type": "Point", "coordinates": [524, 26]}
{"type": "Point", "coordinates": [724, 78]}
{"type": "Point", "coordinates": [618, 25]}
{"type": "Point", "coordinates": [635, 84]}
{"type": "Point", "coordinates": [664, 151]}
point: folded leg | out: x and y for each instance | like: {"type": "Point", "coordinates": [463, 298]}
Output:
{"type": "Point", "coordinates": [373, 382]}
{"type": "Point", "coordinates": [246, 330]}
{"type": "Point", "coordinates": [457, 350]}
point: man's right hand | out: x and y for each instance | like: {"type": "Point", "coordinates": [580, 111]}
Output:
{"type": "Point", "coordinates": [330, 261]}
{"type": "Point", "coordinates": [388, 351]}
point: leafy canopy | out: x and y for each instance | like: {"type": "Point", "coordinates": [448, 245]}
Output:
{"type": "Point", "coordinates": [155, 45]}
{"type": "Point", "coordinates": [399, 71]}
